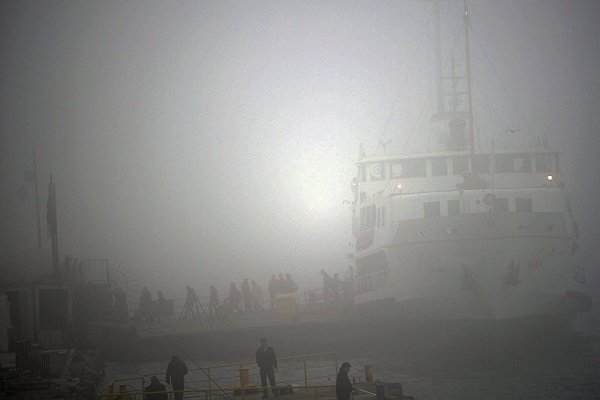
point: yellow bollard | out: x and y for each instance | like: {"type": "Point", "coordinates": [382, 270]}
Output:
{"type": "Point", "coordinates": [369, 373]}
{"type": "Point", "coordinates": [244, 377]}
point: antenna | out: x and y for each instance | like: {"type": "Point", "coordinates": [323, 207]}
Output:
{"type": "Point", "coordinates": [469, 96]}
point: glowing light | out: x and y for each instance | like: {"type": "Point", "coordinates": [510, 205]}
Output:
{"type": "Point", "coordinates": [550, 178]}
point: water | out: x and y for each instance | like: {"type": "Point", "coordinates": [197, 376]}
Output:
{"type": "Point", "coordinates": [565, 366]}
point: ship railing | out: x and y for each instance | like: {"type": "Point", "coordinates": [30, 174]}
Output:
{"type": "Point", "coordinates": [371, 281]}
{"type": "Point", "coordinates": [303, 370]}
{"type": "Point", "coordinates": [316, 391]}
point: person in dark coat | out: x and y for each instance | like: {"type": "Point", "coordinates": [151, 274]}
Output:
{"type": "Point", "coordinates": [267, 363]}
{"type": "Point", "coordinates": [156, 390]}
{"type": "Point", "coordinates": [176, 371]}
{"type": "Point", "coordinates": [343, 386]}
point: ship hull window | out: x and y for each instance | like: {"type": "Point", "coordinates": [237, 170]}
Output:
{"type": "Point", "coordinates": [453, 207]}
{"type": "Point", "coordinates": [413, 168]}
{"type": "Point", "coordinates": [439, 166]}
{"type": "Point", "coordinates": [460, 165]}
{"type": "Point", "coordinates": [513, 163]}
{"type": "Point", "coordinates": [523, 205]}
{"type": "Point", "coordinates": [431, 209]}
{"type": "Point", "coordinates": [481, 164]}
{"type": "Point", "coordinates": [542, 163]}
{"type": "Point", "coordinates": [500, 205]}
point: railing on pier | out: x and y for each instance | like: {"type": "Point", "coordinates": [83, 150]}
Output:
{"type": "Point", "coordinates": [310, 372]}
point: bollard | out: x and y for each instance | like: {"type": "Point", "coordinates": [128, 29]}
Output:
{"type": "Point", "coordinates": [244, 377]}
{"type": "Point", "coordinates": [111, 390]}
{"type": "Point", "coordinates": [369, 373]}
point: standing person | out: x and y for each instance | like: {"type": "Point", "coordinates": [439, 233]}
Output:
{"type": "Point", "coordinates": [247, 295]}
{"type": "Point", "coordinates": [281, 285]}
{"type": "Point", "coordinates": [235, 298]}
{"type": "Point", "coordinates": [145, 304]}
{"type": "Point", "coordinates": [272, 290]}
{"type": "Point", "coordinates": [290, 285]}
{"type": "Point", "coordinates": [156, 390]}
{"type": "Point", "coordinates": [257, 297]}
{"type": "Point", "coordinates": [176, 371]}
{"type": "Point", "coordinates": [327, 283]}
{"type": "Point", "coordinates": [191, 303]}
{"type": "Point", "coordinates": [213, 303]}
{"type": "Point", "coordinates": [343, 386]}
{"type": "Point", "coordinates": [267, 363]}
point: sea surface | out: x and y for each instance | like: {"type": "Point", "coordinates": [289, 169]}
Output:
{"type": "Point", "coordinates": [547, 366]}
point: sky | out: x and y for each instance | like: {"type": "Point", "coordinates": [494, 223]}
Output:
{"type": "Point", "coordinates": [207, 141]}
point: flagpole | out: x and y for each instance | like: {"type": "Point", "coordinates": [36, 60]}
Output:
{"type": "Point", "coordinates": [37, 201]}
{"type": "Point", "coordinates": [53, 222]}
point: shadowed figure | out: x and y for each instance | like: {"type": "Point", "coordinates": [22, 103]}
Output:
{"type": "Point", "coordinates": [267, 363]}
{"type": "Point", "coordinates": [176, 371]}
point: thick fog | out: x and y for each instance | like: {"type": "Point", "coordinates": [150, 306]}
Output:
{"type": "Point", "coordinates": [204, 142]}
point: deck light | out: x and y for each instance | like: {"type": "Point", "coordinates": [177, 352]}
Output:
{"type": "Point", "coordinates": [550, 178]}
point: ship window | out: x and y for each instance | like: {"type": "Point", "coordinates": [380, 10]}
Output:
{"type": "Point", "coordinates": [439, 166]}
{"type": "Point", "coordinates": [362, 176]}
{"type": "Point", "coordinates": [376, 171]}
{"type": "Point", "coordinates": [383, 216]}
{"type": "Point", "coordinates": [368, 217]}
{"type": "Point", "coordinates": [431, 209]}
{"type": "Point", "coordinates": [363, 197]}
{"type": "Point", "coordinates": [500, 205]}
{"type": "Point", "coordinates": [542, 163]}
{"type": "Point", "coordinates": [411, 168]}
{"type": "Point", "coordinates": [513, 163]}
{"type": "Point", "coordinates": [453, 207]}
{"type": "Point", "coordinates": [481, 164]}
{"type": "Point", "coordinates": [460, 164]}
{"type": "Point", "coordinates": [523, 205]}
{"type": "Point", "coordinates": [378, 217]}
{"type": "Point", "coordinates": [372, 263]}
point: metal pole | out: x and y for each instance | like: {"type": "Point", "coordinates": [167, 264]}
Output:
{"type": "Point", "coordinates": [209, 383]}
{"type": "Point", "coordinates": [37, 201]}
{"type": "Point", "coordinates": [469, 96]}
{"type": "Point", "coordinates": [305, 372]}
{"type": "Point", "coordinates": [438, 59]}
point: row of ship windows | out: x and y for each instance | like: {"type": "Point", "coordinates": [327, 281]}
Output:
{"type": "Point", "coordinates": [443, 166]}
{"type": "Point", "coordinates": [372, 216]}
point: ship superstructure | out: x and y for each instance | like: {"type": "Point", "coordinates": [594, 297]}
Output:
{"type": "Point", "coordinates": [452, 233]}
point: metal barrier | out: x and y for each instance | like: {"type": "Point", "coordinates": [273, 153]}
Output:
{"type": "Point", "coordinates": [301, 371]}
{"type": "Point", "coordinates": [221, 394]}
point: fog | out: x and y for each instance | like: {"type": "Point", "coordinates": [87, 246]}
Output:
{"type": "Point", "coordinates": [204, 142]}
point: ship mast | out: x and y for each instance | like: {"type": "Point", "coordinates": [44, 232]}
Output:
{"type": "Point", "coordinates": [469, 96]}
{"type": "Point", "coordinates": [438, 58]}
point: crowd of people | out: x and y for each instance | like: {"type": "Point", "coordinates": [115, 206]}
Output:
{"type": "Point", "coordinates": [248, 297]}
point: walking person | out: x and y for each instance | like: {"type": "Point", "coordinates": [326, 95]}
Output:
{"type": "Point", "coordinates": [247, 295]}
{"type": "Point", "coordinates": [191, 304]}
{"type": "Point", "coordinates": [257, 297]}
{"type": "Point", "coordinates": [235, 298]}
{"type": "Point", "coordinates": [343, 386]}
{"type": "Point", "coordinates": [267, 363]}
{"type": "Point", "coordinates": [213, 303]}
{"type": "Point", "coordinates": [176, 370]}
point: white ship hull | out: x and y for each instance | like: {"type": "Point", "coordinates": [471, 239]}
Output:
{"type": "Point", "coordinates": [494, 267]}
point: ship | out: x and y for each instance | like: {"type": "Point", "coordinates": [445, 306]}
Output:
{"type": "Point", "coordinates": [454, 233]}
